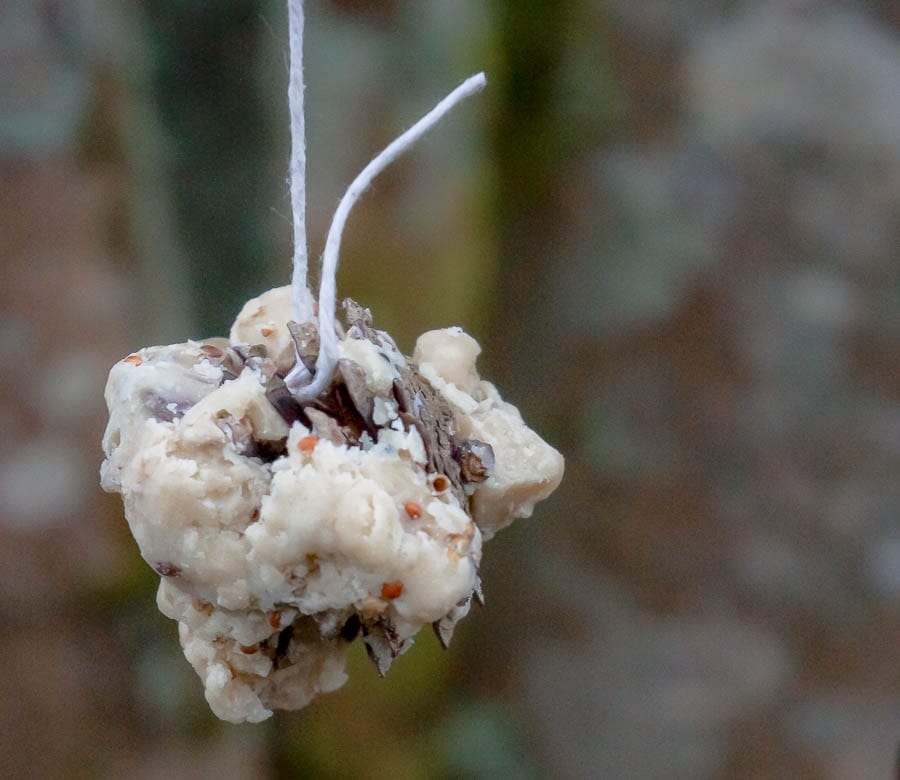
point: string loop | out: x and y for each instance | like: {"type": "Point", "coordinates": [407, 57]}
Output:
{"type": "Point", "coordinates": [301, 297]}
{"type": "Point", "coordinates": [298, 379]}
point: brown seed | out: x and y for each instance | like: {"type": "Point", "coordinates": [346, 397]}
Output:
{"type": "Point", "coordinates": [275, 619]}
{"type": "Point", "coordinates": [167, 569]}
{"type": "Point", "coordinates": [267, 331]}
{"type": "Point", "coordinates": [249, 649]}
{"type": "Point", "coordinates": [254, 515]}
{"type": "Point", "coordinates": [413, 510]}
{"type": "Point", "coordinates": [476, 461]}
{"type": "Point", "coordinates": [133, 359]}
{"type": "Point", "coordinates": [392, 590]}
{"type": "Point", "coordinates": [440, 483]}
{"type": "Point", "coordinates": [308, 443]}
{"type": "Point", "coordinates": [202, 606]}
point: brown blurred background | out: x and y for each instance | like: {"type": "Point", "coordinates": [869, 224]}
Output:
{"type": "Point", "coordinates": [674, 228]}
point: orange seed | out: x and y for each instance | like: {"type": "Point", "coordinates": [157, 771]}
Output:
{"type": "Point", "coordinates": [413, 509]}
{"type": "Point", "coordinates": [308, 443]}
{"type": "Point", "coordinates": [266, 331]}
{"type": "Point", "coordinates": [392, 590]}
{"type": "Point", "coordinates": [133, 359]}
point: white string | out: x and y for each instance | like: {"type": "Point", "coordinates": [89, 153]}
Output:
{"type": "Point", "coordinates": [301, 297]}
{"type": "Point", "coordinates": [328, 346]}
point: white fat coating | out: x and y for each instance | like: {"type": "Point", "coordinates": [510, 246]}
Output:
{"type": "Point", "coordinates": [527, 469]}
{"type": "Point", "coordinates": [462, 403]}
{"type": "Point", "coordinates": [452, 353]}
{"type": "Point", "coordinates": [263, 320]}
{"type": "Point", "coordinates": [385, 410]}
{"type": "Point", "coordinates": [381, 363]}
{"type": "Point", "coordinates": [154, 376]}
{"type": "Point", "coordinates": [244, 397]}
{"type": "Point", "coordinates": [246, 546]}
{"type": "Point", "coordinates": [346, 507]}
{"type": "Point", "coordinates": [228, 650]}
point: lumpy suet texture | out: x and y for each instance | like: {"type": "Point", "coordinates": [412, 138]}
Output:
{"type": "Point", "coordinates": [284, 531]}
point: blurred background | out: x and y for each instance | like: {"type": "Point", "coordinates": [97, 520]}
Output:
{"type": "Point", "coordinates": [673, 226]}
